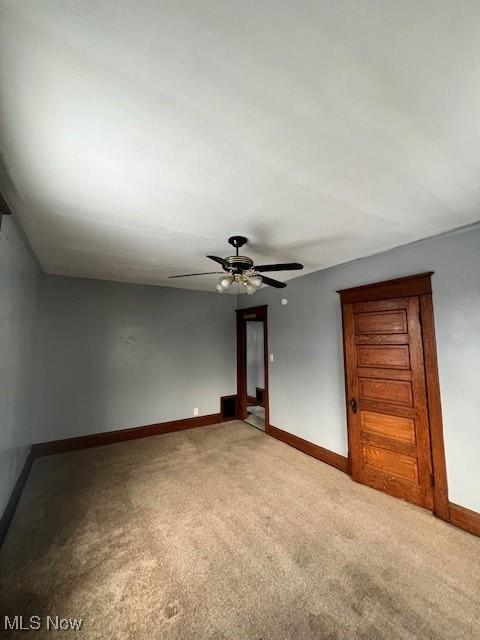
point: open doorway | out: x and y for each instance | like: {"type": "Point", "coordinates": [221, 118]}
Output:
{"type": "Point", "coordinates": [252, 366]}
{"type": "Point", "coordinates": [255, 374]}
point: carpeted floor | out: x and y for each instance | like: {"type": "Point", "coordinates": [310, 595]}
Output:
{"type": "Point", "coordinates": [223, 532]}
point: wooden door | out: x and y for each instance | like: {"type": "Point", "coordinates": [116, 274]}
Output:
{"type": "Point", "coordinates": [387, 398]}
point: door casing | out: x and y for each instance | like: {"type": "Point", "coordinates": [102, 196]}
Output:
{"type": "Point", "coordinates": [415, 285]}
{"type": "Point", "coordinates": [243, 316]}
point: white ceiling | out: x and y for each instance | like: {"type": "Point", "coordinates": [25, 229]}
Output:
{"type": "Point", "coordinates": [137, 135]}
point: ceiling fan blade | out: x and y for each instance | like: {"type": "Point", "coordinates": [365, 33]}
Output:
{"type": "Point", "coordinates": [273, 283]}
{"type": "Point", "coordinates": [289, 266]}
{"type": "Point", "coordinates": [205, 273]}
{"type": "Point", "coordinates": [219, 260]}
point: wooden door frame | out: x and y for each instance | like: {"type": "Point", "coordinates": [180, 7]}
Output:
{"type": "Point", "coordinates": [243, 315]}
{"type": "Point", "coordinates": [416, 285]}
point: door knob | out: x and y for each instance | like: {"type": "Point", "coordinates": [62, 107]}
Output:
{"type": "Point", "coordinates": [353, 404]}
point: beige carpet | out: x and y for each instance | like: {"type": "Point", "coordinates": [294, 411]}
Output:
{"type": "Point", "coordinates": [223, 532]}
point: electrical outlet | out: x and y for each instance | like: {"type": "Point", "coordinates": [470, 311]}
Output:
{"type": "Point", "coordinates": [195, 411]}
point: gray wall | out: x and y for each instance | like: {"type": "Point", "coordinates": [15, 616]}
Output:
{"type": "Point", "coordinates": [113, 355]}
{"type": "Point", "coordinates": [307, 395]}
{"type": "Point", "coordinates": [18, 295]}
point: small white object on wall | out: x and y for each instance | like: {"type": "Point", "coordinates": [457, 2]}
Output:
{"type": "Point", "coordinates": [271, 357]}
{"type": "Point", "coordinates": [283, 302]}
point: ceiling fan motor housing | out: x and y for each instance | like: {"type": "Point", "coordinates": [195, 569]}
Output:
{"type": "Point", "coordinates": [239, 263]}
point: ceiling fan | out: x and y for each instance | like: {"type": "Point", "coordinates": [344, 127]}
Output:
{"type": "Point", "coordinates": [241, 270]}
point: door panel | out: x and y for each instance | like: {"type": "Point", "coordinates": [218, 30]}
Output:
{"type": "Point", "coordinates": [392, 374]}
{"type": "Point", "coordinates": [387, 461]}
{"type": "Point", "coordinates": [392, 391]}
{"type": "Point", "coordinates": [390, 357]}
{"type": "Point", "coordinates": [386, 322]}
{"type": "Point", "coordinates": [393, 338]}
{"type": "Point", "coordinates": [389, 426]}
{"type": "Point", "coordinates": [388, 417]}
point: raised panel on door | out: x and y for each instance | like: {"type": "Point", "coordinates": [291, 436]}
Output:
{"type": "Point", "coordinates": [384, 356]}
{"type": "Point", "coordinates": [389, 426]}
{"type": "Point", "coordinates": [395, 464]}
{"type": "Point", "coordinates": [388, 418]}
{"type": "Point", "coordinates": [381, 322]}
{"type": "Point", "coordinates": [390, 391]}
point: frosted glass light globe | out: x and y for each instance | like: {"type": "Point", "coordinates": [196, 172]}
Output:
{"type": "Point", "coordinates": [225, 281]}
{"type": "Point", "coordinates": [250, 289]}
{"type": "Point", "coordinates": [255, 281]}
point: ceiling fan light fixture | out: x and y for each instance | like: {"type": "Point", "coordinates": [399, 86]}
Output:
{"type": "Point", "coordinates": [249, 288]}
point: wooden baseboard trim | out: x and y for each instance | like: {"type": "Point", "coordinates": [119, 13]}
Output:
{"type": "Point", "coordinates": [325, 455]}
{"type": "Point", "coordinates": [465, 518]}
{"type": "Point", "coordinates": [121, 435]}
{"type": "Point", "coordinates": [9, 510]}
